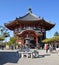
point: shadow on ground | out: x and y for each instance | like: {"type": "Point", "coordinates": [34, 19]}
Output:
{"type": "Point", "coordinates": [8, 57]}
{"type": "Point", "coordinates": [42, 56]}
{"type": "Point", "coordinates": [47, 54]}
{"type": "Point", "coordinates": [39, 56]}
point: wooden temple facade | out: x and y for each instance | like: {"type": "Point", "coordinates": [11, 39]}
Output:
{"type": "Point", "coordinates": [29, 29]}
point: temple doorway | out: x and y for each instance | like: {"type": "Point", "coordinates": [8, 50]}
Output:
{"type": "Point", "coordinates": [30, 41]}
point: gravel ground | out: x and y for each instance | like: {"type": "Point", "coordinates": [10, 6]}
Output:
{"type": "Point", "coordinates": [12, 58]}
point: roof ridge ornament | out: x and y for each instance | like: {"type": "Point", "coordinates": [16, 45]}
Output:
{"type": "Point", "coordinates": [29, 10]}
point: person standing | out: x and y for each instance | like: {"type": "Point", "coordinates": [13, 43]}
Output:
{"type": "Point", "coordinates": [46, 47]}
{"type": "Point", "coordinates": [50, 48]}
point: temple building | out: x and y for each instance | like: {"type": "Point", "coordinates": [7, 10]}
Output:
{"type": "Point", "coordinates": [29, 29]}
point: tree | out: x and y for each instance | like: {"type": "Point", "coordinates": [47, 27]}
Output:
{"type": "Point", "coordinates": [1, 38]}
{"type": "Point", "coordinates": [12, 42]}
{"type": "Point", "coordinates": [3, 34]}
{"type": "Point", "coordinates": [50, 40]}
{"type": "Point", "coordinates": [56, 34]}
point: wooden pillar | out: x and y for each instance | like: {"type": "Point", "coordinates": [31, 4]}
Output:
{"type": "Point", "coordinates": [22, 42]}
{"type": "Point", "coordinates": [36, 41]}
{"type": "Point", "coordinates": [17, 39]}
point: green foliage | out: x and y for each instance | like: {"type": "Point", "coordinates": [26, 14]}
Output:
{"type": "Point", "coordinates": [56, 38]}
{"type": "Point", "coordinates": [46, 40]}
{"type": "Point", "coordinates": [9, 43]}
{"type": "Point", "coordinates": [3, 33]}
{"type": "Point", "coordinates": [49, 40]}
{"type": "Point", "coordinates": [12, 41]}
{"type": "Point", "coordinates": [2, 38]}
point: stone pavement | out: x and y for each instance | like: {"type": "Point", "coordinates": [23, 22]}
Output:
{"type": "Point", "coordinates": [12, 58]}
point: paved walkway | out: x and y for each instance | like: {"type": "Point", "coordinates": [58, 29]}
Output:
{"type": "Point", "coordinates": [12, 58]}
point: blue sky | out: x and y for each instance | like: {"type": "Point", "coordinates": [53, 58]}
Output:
{"type": "Point", "coordinates": [48, 9]}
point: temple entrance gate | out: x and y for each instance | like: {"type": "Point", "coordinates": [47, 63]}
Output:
{"type": "Point", "coordinates": [30, 38]}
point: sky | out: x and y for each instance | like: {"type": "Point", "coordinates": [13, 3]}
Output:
{"type": "Point", "coordinates": [48, 9]}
